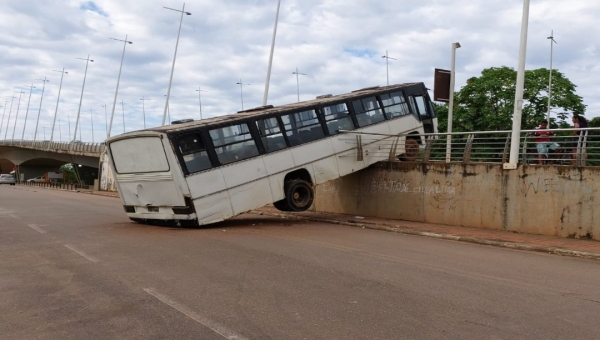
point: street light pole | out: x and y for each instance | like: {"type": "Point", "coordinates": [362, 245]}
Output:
{"type": "Point", "coordinates": [242, 92]}
{"type": "Point", "coordinates": [56, 110]}
{"type": "Point", "coordinates": [125, 42]}
{"type": "Point", "coordinates": [174, 57]}
{"type": "Point", "coordinates": [40, 109]}
{"type": "Point", "coordinates": [16, 117]}
{"type": "Point", "coordinates": [200, 100]}
{"type": "Point", "coordinates": [123, 108]}
{"type": "Point", "coordinates": [552, 42]}
{"type": "Point", "coordinates": [266, 95]}
{"type": "Point", "coordinates": [3, 113]}
{"type": "Point", "coordinates": [298, 82]}
{"type": "Point", "coordinates": [451, 102]}
{"type": "Point", "coordinates": [81, 97]}
{"type": "Point", "coordinates": [144, 111]}
{"type": "Point", "coordinates": [105, 119]}
{"type": "Point", "coordinates": [26, 113]}
{"type": "Point", "coordinates": [518, 110]}
{"type": "Point", "coordinates": [9, 114]}
{"type": "Point", "coordinates": [387, 72]}
{"type": "Point", "coordinates": [92, 120]}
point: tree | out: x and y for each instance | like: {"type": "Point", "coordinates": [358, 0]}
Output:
{"type": "Point", "coordinates": [68, 173]}
{"type": "Point", "coordinates": [486, 103]}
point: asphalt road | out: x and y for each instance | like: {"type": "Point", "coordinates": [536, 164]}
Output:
{"type": "Point", "coordinates": [72, 266]}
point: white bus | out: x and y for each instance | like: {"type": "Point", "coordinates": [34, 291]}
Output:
{"type": "Point", "coordinates": [201, 172]}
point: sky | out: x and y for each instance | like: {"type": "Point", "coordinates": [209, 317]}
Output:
{"type": "Point", "coordinates": [335, 46]}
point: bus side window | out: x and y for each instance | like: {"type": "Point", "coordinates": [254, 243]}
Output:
{"type": "Point", "coordinates": [233, 143]}
{"type": "Point", "coordinates": [367, 111]}
{"type": "Point", "coordinates": [194, 153]}
{"type": "Point", "coordinates": [394, 105]}
{"type": "Point", "coordinates": [270, 134]}
{"type": "Point", "coordinates": [337, 117]}
{"type": "Point", "coordinates": [302, 127]}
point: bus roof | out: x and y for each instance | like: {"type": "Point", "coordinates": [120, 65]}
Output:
{"type": "Point", "coordinates": [320, 100]}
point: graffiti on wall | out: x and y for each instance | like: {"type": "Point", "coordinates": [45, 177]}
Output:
{"type": "Point", "coordinates": [541, 185]}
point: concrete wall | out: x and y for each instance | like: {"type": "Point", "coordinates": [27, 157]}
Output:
{"type": "Point", "coordinates": [546, 200]}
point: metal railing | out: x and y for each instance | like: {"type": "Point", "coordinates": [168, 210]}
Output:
{"type": "Point", "coordinates": [62, 147]}
{"type": "Point", "coordinates": [564, 148]}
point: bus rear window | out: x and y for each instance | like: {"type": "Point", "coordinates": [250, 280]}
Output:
{"type": "Point", "coordinates": [139, 155]}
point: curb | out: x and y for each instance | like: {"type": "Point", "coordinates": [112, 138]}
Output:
{"type": "Point", "coordinates": [451, 237]}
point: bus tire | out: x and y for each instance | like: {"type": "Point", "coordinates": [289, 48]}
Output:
{"type": "Point", "coordinates": [282, 205]}
{"type": "Point", "coordinates": [299, 195]}
{"type": "Point", "coordinates": [411, 151]}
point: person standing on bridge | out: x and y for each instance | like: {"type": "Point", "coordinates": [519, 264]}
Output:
{"type": "Point", "coordinates": [578, 122]}
{"type": "Point", "coordinates": [543, 142]}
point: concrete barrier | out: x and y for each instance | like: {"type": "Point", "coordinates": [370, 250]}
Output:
{"type": "Point", "coordinates": [545, 200]}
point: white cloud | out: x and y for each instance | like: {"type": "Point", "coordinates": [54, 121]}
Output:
{"type": "Point", "coordinates": [337, 44]}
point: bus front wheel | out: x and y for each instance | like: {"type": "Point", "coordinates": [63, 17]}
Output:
{"type": "Point", "coordinates": [299, 195]}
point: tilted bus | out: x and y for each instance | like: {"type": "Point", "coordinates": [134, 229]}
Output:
{"type": "Point", "coordinates": [202, 172]}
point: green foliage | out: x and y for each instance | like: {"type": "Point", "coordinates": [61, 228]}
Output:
{"type": "Point", "coordinates": [69, 173]}
{"type": "Point", "coordinates": [486, 103]}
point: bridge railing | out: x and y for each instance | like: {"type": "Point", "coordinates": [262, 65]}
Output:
{"type": "Point", "coordinates": [575, 147]}
{"type": "Point", "coordinates": [74, 147]}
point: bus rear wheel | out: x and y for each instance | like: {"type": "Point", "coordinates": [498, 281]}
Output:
{"type": "Point", "coordinates": [299, 195]}
{"type": "Point", "coordinates": [411, 150]}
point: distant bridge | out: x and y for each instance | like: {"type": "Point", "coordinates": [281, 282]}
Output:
{"type": "Point", "coordinates": [36, 157]}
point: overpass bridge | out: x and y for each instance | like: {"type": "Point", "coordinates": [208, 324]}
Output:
{"type": "Point", "coordinates": [34, 158]}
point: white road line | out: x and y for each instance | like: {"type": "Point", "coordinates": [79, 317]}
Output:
{"type": "Point", "coordinates": [13, 216]}
{"type": "Point", "coordinates": [214, 326]}
{"type": "Point", "coordinates": [37, 228]}
{"type": "Point", "coordinates": [91, 258]}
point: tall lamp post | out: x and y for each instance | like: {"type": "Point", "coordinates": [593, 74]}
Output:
{"type": "Point", "coordinates": [387, 69]}
{"type": "Point", "coordinates": [92, 120]}
{"type": "Point", "coordinates": [451, 102]}
{"type": "Point", "coordinates": [37, 123]}
{"type": "Point", "coordinates": [174, 56]}
{"type": "Point", "coordinates": [298, 82]}
{"type": "Point", "coordinates": [26, 113]}
{"type": "Point", "coordinates": [125, 42]}
{"type": "Point", "coordinates": [56, 110]}
{"type": "Point", "coordinates": [144, 110]}
{"type": "Point", "coordinates": [17, 114]}
{"type": "Point", "coordinates": [9, 111]}
{"type": "Point", "coordinates": [87, 61]}
{"type": "Point", "coordinates": [4, 106]}
{"type": "Point", "coordinates": [518, 110]}
{"type": "Point", "coordinates": [266, 95]}
{"type": "Point", "coordinates": [200, 100]}
{"type": "Point", "coordinates": [123, 109]}
{"type": "Point", "coordinates": [552, 42]}
{"type": "Point", "coordinates": [105, 119]}
{"type": "Point", "coordinates": [242, 92]}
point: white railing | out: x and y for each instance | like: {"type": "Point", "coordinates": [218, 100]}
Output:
{"type": "Point", "coordinates": [494, 147]}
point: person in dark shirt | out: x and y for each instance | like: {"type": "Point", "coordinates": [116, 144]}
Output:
{"type": "Point", "coordinates": [578, 122]}
{"type": "Point", "coordinates": [543, 142]}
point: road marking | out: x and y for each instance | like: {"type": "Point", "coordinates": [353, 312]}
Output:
{"type": "Point", "coordinates": [13, 216]}
{"type": "Point", "coordinates": [37, 228]}
{"type": "Point", "coordinates": [214, 326]}
{"type": "Point", "coordinates": [91, 258]}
